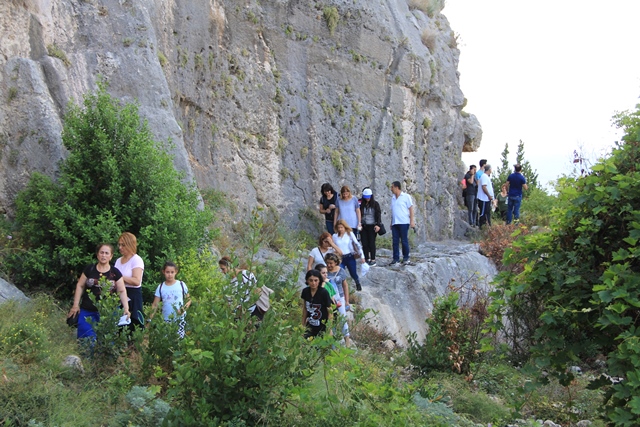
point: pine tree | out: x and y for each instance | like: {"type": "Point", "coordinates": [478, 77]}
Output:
{"type": "Point", "coordinates": [500, 175]}
{"type": "Point", "coordinates": [529, 173]}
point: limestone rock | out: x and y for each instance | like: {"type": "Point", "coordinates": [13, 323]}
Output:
{"type": "Point", "coordinates": [263, 101]}
{"type": "Point", "coordinates": [388, 345]}
{"type": "Point", "coordinates": [404, 296]}
{"type": "Point", "coordinates": [472, 133]}
{"type": "Point", "coordinates": [73, 362]}
{"type": "Point", "coordinates": [9, 292]}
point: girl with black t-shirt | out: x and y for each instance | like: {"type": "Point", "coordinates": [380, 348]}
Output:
{"type": "Point", "coordinates": [316, 309]}
{"type": "Point", "coordinates": [327, 205]}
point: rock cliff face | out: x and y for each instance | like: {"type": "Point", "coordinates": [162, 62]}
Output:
{"type": "Point", "coordinates": [263, 100]}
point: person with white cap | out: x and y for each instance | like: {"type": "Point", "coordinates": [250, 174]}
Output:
{"type": "Point", "coordinates": [371, 215]}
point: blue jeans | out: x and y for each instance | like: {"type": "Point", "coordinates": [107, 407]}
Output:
{"type": "Point", "coordinates": [400, 232]}
{"type": "Point", "coordinates": [329, 225]}
{"type": "Point", "coordinates": [513, 208]}
{"type": "Point", "coordinates": [349, 262]}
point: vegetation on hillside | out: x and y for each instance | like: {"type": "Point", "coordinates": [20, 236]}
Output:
{"type": "Point", "coordinates": [566, 295]}
{"type": "Point", "coordinates": [575, 298]}
{"type": "Point", "coordinates": [116, 178]}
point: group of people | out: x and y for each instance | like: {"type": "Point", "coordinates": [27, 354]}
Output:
{"type": "Point", "coordinates": [362, 219]}
{"type": "Point", "coordinates": [125, 279]}
{"type": "Point", "coordinates": [480, 199]}
{"type": "Point", "coordinates": [352, 227]}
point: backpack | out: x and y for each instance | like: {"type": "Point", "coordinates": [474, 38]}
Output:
{"type": "Point", "coordinates": [181, 285]}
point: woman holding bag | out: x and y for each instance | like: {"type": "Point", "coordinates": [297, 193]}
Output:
{"type": "Point", "coordinates": [371, 215]}
{"type": "Point", "coordinates": [346, 241]}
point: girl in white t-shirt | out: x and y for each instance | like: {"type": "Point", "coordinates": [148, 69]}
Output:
{"type": "Point", "coordinates": [325, 246]}
{"type": "Point", "coordinates": [131, 266]}
{"type": "Point", "coordinates": [175, 298]}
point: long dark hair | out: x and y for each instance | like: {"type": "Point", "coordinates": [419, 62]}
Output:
{"type": "Point", "coordinates": [327, 187]}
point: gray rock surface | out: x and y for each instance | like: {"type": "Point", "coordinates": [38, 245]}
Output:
{"type": "Point", "coordinates": [404, 296]}
{"type": "Point", "coordinates": [8, 292]}
{"type": "Point", "coordinates": [260, 100]}
{"type": "Point", "coordinates": [74, 362]}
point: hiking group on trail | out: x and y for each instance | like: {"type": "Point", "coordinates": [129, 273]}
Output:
{"type": "Point", "coordinates": [352, 228]}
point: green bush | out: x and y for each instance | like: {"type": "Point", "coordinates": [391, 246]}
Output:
{"type": "Point", "coordinates": [116, 178]}
{"type": "Point", "coordinates": [231, 368]}
{"type": "Point", "coordinates": [581, 278]}
{"type": "Point", "coordinates": [452, 341]}
{"type": "Point", "coordinates": [144, 408]}
{"type": "Point", "coordinates": [111, 340]}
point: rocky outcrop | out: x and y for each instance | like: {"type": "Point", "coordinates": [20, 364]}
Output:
{"type": "Point", "coordinates": [264, 101]}
{"type": "Point", "coordinates": [403, 297]}
{"type": "Point", "coordinates": [8, 292]}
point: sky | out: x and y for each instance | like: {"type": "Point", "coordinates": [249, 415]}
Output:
{"type": "Point", "coordinates": [549, 73]}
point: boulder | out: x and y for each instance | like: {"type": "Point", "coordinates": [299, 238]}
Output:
{"type": "Point", "coordinates": [9, 292]}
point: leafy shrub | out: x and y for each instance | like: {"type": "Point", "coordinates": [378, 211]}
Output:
{"type": "Point", "coordinates": [581, 278]}
{"type": "Point", "coordinates": [111, 339]}
{"type": "Point", "coordinates": [116, 178]}
{"type": "Point", "coordinates": [144, 408]}
{"type": "Point", "coordinates": [331, 17]}
{"type": "Point", "coordinates": [455, 331]}
{"type": "Point", "coordinates": [229, 367]}
{"type": "Point", "coordinates": [538, 208]}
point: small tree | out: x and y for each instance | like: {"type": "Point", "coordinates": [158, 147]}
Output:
{"type": "Point", "coordinates": [502, 173]}
{"type": "Point", "coordinates": [529, 173]}
{"type": "Point", "coordinates": [116, 178]}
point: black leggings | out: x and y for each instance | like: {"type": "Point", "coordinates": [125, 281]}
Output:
{"type": "Point", "coordinates": [368, 239]}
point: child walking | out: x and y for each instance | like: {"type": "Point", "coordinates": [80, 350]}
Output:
{"type": "Point", "coordinates": [175, 298]}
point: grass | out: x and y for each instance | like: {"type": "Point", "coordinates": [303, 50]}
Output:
{"type": "Point", "coordinates": [56, 52]}
{"type": "Point", "coordinates": [35, 386]}
{"type": "Point", "coordinates": [13, 93]}
{"type": "Point", "coordinates": [162, 59]}
{"type": "Point", "coordinates": [430, 7]}
{"type": "Point", "coordinates": [331, 17]}
{"type": "Point", "coordinates": [429, 38]}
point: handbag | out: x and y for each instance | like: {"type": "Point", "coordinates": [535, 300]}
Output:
{"type": "Point", "coordinates": [356, 248]}
{"type": "Point", "coordinates": [73, 320]}
{"type": "Point", "coordinates": [382, 230]}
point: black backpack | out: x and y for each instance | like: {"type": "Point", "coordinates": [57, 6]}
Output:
{"type": "Point", "coordinates": [181, 285]}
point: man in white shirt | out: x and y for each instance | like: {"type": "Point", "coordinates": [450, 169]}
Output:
{"type": "Point", "coordinates": [485, 196]}
{"type": "Point", "coordinates": [401, 220]}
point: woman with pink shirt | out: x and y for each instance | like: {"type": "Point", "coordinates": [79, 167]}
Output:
{"type": "Point", "coordinates": [131, 266]}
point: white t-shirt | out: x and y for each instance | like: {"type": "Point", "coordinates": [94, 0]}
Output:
{"type": "Point", "coordinates": [318, 257]}
{"type": "Point", "coordinates": [485, 180]}
{"type": "Point", "coordinates": [172, 297]}
{"type": "Point", "coordinates": [345, 243]}
{"type": "Point", "coordinates": [127, 268]}
{"type": "Point", "coordinates": [400, 209]}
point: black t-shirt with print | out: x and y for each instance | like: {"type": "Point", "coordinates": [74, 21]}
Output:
{"type": "Point", "coordinates": [318, 306]}
{"type": "Point", "coordinates": [93, 276]}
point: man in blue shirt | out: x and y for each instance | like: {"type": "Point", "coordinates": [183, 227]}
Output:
{"type": "Point", "coordinates": [515, 183]}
